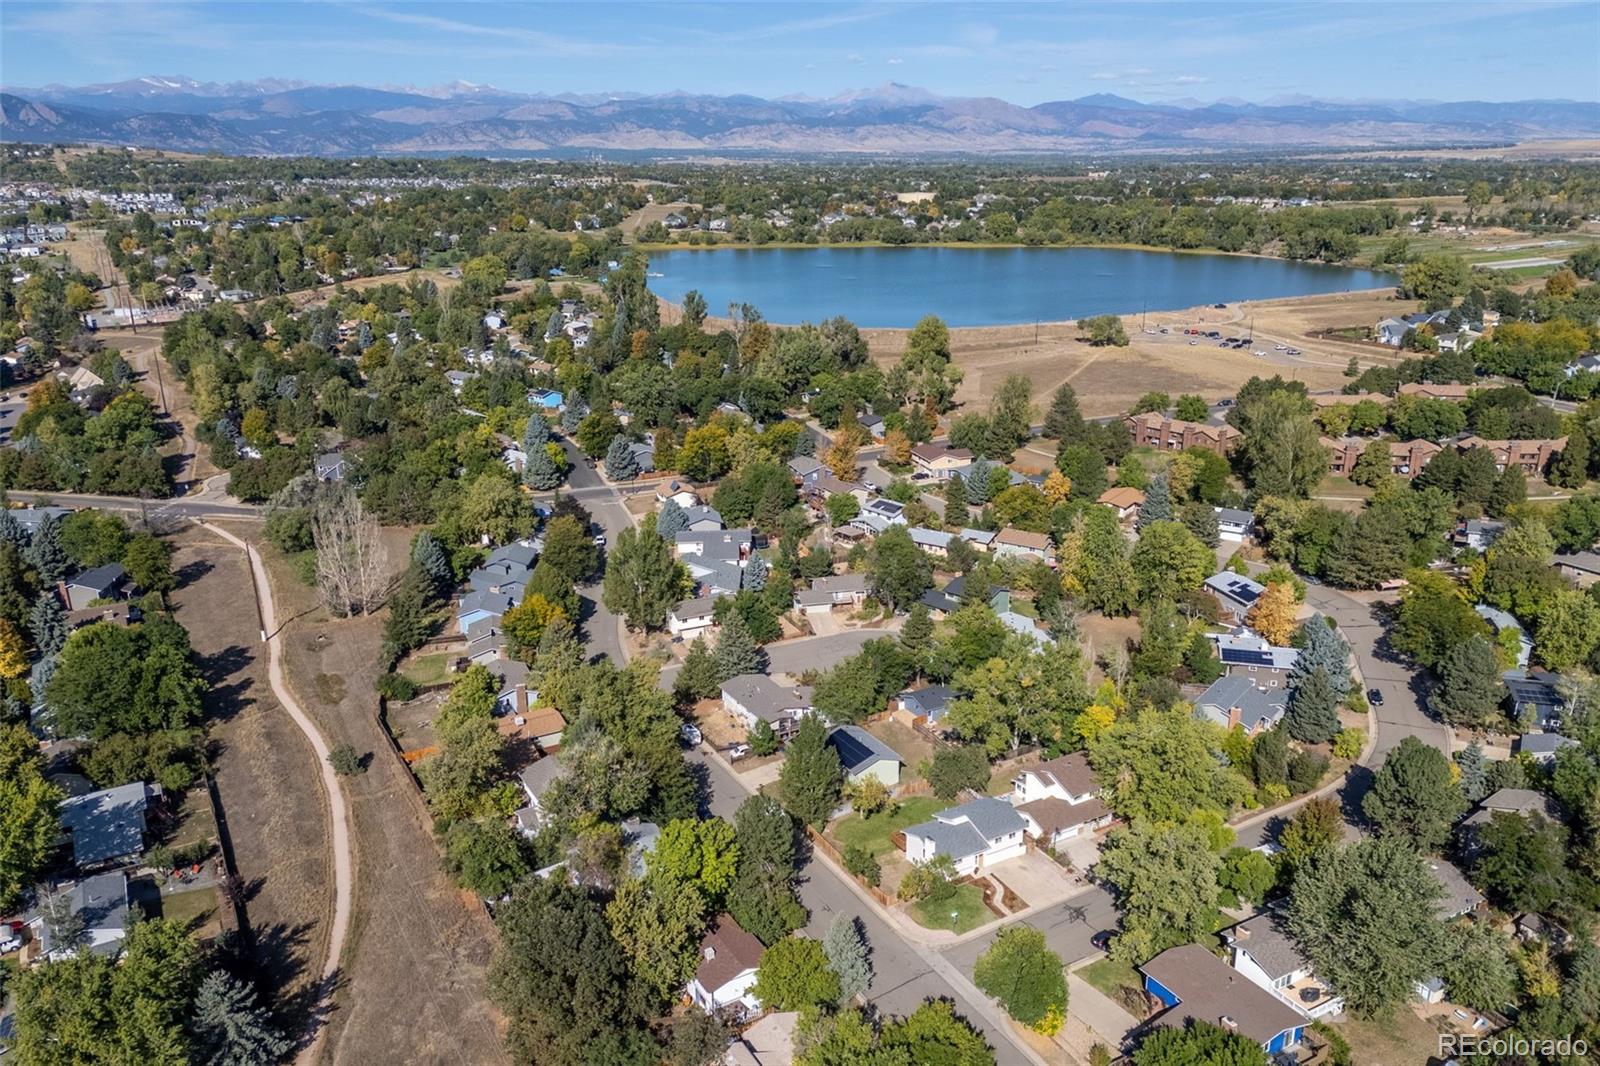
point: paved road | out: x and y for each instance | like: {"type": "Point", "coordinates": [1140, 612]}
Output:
{"type": "Point", "coordinates": [903, 977]}
{"type": "Point", "coordinates": [603, 629]}
{"type": "Point", "coordinates": [1067, 927]}
{"type": "Point", "coordinates": [180, 507]}
{"type": "Point", "coordinates": [804, 653]}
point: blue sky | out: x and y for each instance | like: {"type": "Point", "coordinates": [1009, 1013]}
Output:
{"type": "Point", "coordinates": [1026, 53]}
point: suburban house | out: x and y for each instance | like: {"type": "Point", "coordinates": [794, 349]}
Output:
{"type": "Point", "coordinates": [1530, 456]}
{"type": "Point", "coordinates": [1194, 984]}
{"type": "Point", "coordinates": [935, 542]}
{"type": "Point", "coordinates": [1429, 391]}
{"type": "Point", "coordinates": [1124, 500]}
{"type": "Point", "coordinates": [672, 490]}
{"type": "Point", "coordinates": [1013, 543]}
{"type": "Point", "coordinates": [1459, 896]}
{"type": "Point", "coordinates": [118, 614]}
{"type": "Point", "coordinates": [458, 379]}
{"type": "Point", "coordinates": [940, 461]}
{"type": "Point", "coordinates": [980, 539]}
{"type": "Point", "coordinates": [1406, 458]}
{"type": "Point", "coordinates": [692, 617]}
{"type": "Point", "coordinates": [976, 835]}
{"type": "Point", "coordinates": [729, 957]}
{"type": "Point", "coordinates": [715, 558]}
{"type": "Point", "coordinates": [107, 827]}
{"type": "Point", "coordinates": [1534, 699]}
{"type": "Point", "coordinates": [1266, 954]}
{"type": "Point", "coordinates": [512, 695]}
{"type": "Point", "coordinates": [1243, 653]}
{"type": "Point", "coordinates": [475, 607]}
{"type": "Point", "coordinates": [878, 514]}
{"type": "Point", "coordinates": [330, 466]}
{"type": "Point", "coordinates": [545, 399]}
{"type": "Point", "coordinates": [1156, 430]}
{"type": "Point", "coordinates": [700, 518]}
{"type": "Point", "coordinates": [835, 590]}
{"type": "Point", "coordinates": [1238, 701]}
{"type": "Point", "coordinates": [863, 755]}
{"type": "Point", "coordinates": [756, 697]}
{"type": "Point", "coordinates": [1234, 525]}
{"type": "Point", "coordinates": [1478, 533]}
{"type": "Point", "coordinates": [494, 588]}
{"type": "Point", "coordinates": [1581, 568]}
{"type": "Point", "coordinates": [1235, 592]}
{"type": "Point", "coordinates": [873, 423]}
{"type": "Point", "coordinates": [827, 485]}
{"type": "Point", "coordinates": [101, 904]}
{"type": "Point", "coordinates": [542, 725]}
{"type": "Point", "coordinates": [1392, 331]}
{"type": "Point", "coordinates": [1523, 802]}
{"type": "Point", "coordinates": [1542, 747]}
{"type": "Point", "coordinates": [1589, 363]}
{"type": "Point", "coordinates": [536, 779]}
{"type": "Point", "coordinates": [926, 706]}
{"type": "Point", "coordinates": [1016, 621]}
{"type": "Point", "coordinates": [101, 583]}
{"type": "Point", "coordinates": [806, 469]}
{"type": "Point", "coordinates": [1501, 621]}
{"type": "Point", "coordinates": [941, 602]}
{"type": "Point", "coordinates": [1060, 799]}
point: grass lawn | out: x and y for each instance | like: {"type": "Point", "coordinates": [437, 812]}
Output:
{"type": "Point", "coordinates": [196, 906]}
{"type": "Point", "coordinates": [966, 906]}
{"type": "Point", "coordinates": [1107, 975]}
{"type": "Point", "coordinates": [873, 833]}
{"type": "Point", "coordinates": [425, 670]}
{"type": "Point", "coordinates": [1404, 1037]}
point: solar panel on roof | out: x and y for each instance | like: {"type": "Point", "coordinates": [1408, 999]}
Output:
{"type": "Point", "coordinates": [1246, 657]}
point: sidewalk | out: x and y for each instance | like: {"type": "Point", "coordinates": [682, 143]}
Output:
{"type": "Point", "coordinates": [1098, 1011]}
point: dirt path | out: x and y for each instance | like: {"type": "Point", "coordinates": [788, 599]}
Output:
{"type": "Point", "coordinates": [278, 833]}
{"type": "Point", "coordinates": [343, 860]}
{"type": "Point", "coordinates": [413, 977]}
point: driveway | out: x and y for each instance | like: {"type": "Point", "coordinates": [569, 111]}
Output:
{"type": "Point", "coordinates": [1036, 878]}
{"type": "Point", "coordinates": [1067, 927]}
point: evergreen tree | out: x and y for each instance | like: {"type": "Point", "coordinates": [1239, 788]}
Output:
{"type": "Point", "coordinates": [977, 481]}
{"type": "Point", "coordinates": [806, 444]}
{"type": "Point", "coordinates": [536, 434]}
{"type": "Point", "coordinates": [916, 636]}
{"type": "Point", "coordinates": [955, 502]}
{"type": "Point", "coordinates": [754, 577]}
{"type": "Point", "coordinates": [846, 950]}
{"type": "Point", "coordinates": [430, 558]}
{"type": "Point", "coordinates": [762, 899]}
{"type": "Point", "coordinates": [1313, 716]}
{"type": "Point", "coordinates": [1413, 796]}
{"type": "Point", "coordinates": [621, 463]}
{"type": "Point", "coordinates": [11, 531]}
{"type": "Point", "coordinates": [47, 623]}
{"type": "Point", "coordinates": [1474, 772]}
{"type": "Point", "coordinates": [231, 1029]}
{"type": "Point", "coordinates": [737, 652]}
{"type": "Point", "coordinates": [1322, 648]}
{"type": "Point", "coordinates": [1570, 469]}
{"type": "Point", "coordinates": [810, 781]}
{"type": "Point", "coordinates": [45, 553]}
{"type": "Point", "coordinates": [571, 416]}
{"type": "Point", "coordinates": [1470, 689]}
{"type": "Point", "coordinates": [1064, 421]}
{"type": "Point", "coordinates": [697, 679]}
{"type": "Point", "coordinates": [671, 521]}
{"type": "Point", "coordinates": [1157, 506]}
{"type": "Point", "coordinates": [1510, 489]}
{"type": "Point", "coordinates": [643, 581]}
{"type": "Point", "coordinates": [540, 472]}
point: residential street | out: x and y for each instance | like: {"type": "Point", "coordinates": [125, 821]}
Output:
{"type": "Point", "coordinates": [179, 507]}
{"type": "Point", "coordinates": [904, 975]}
{"type": "Point", "coordinates": [804, 653]}
{"type": "Point", "coordinates": [603, 628]}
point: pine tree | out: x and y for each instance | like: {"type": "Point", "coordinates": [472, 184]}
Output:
{"type": "Point", "coordinates": [539, 472]}
{"type": "Point", "coordinates": [697, 679]}
{"type": "Point", "coordinates": [1157, 506]}
{"type": "Point", "coordinates": [754, 577]}
{"type": "Point", "coordinates": [806, 445]}
{"type": "Point", "coordinates": [846, 950]}
{"type": "Point", "coordinates": [11, 531]}
{"type": "Point", "coordinates": [1064, 421]}
{"type": "Point", "coordinates": [1470, 689]}
{"type": "Point", "coordinates": [737, 652]}
{"type": "Point", "coordinates": [1313, 716]}
{"type": "Point", "coordinates": [916, 636]}
{"type": "Point", "coordinates": [621, 463]}
{"type": "Point", "coordinates": [1570, 469]}
{"type": "Point", "coordinates": [536, 434]}
{"type": "Point", "coordinates": [1474, 772]}
{"type": "Point", "coordinates": [1322, 647]}
{"type": "Point", "coordinates": [955, 502]}
{"type": "Point", "coordinates": [571, 416]}
{"type": "Point", "coordinates": [811, 778]}
{"type": "Point", "coordinates": [45, 553]}
{"type": "Point", "coordinates": [429, 556]}
{"type": "Point", "coordinates": [978, 487]}
{"type": "Point", "coordinates": [231, 1028]}
{"type": "Point", "coordinates": [47, 623]}
{"type": "Point", "coordinates": [1510, 489]}
{"type": "Point", "coordinates": [671, 520]}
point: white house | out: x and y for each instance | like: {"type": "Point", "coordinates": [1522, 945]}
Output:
{"type": "Point", "coordinates": [1012, 543]}
{"type": "Point", "coordinates": [672, 490]}
{"type": "Point", "coordinates": [976, 835]}
{"type": "Point", "coordinates": [692, 617]}
{"type": "Point", "coordinates": [1060, 799]}
{"type": "Point", "coordinates": [536, 778]}
{"type": "Point", "coordinates": [726, 976]}
{"type": "Point", "coordinates": [835, 590]}
{"type": "Point", "coordinates": [756, 697]}
{"type": "Point", "coordinates": [1265, 953]}
{"type": "Point", "coordinates": [878, 514]}
{"type": "Point", "coordinates": [1234, 525]}
{"type": "Point", "coordinates": [863, 755]}
{"type": "Point", "coordinates": [101, 903]}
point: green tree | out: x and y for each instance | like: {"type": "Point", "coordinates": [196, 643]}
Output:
{"type": "Point", "coordinates": [794, 975]}
{"type": "Point", "coordinates": [1105, 330]}
{"type": "Point", "coordinates": [569, 549]}
{"type": "Point", "coordinates": [702, 853]}
{"type": "Point", "coordinates": [901, 572]}
{"type": "Point", "coordinates": [643, 581]}
{"type": "Point", "coordinates": [621, 463]}
{"type": "Point", "coordinates": [658, 924]}
{"type": "Point", "coordinates": [1085, 466]}
{"type": "Point", "coordinates": [1365, 914]}
{"type": "Point", "coordinates": [1521, 862]}
{"type": "Point", "coordinates": [1474, 772]}
{"type": "Point", "coordinates": [1317, 826]}
{"type": "Point", "coordinates": [46, 554]}
{"type": "Point", "coordinates": [492, 507]}
{"type": "Point", "coordinates": [955, 502]}
{"type": "Point", "coordinates": [1248, 874]}
{"type": "Point", "coordinates": [1470, 689]}
{"type": "Point", "coordinates": [47, 625]}
{"type": "Point", "coordinates": [1025, 976]}
{"type": "Point", "coordinates": [935, 1034]}
{"type": "Point", "coordinates": [810, 780]}
{"type": "Point", "coordinates": [698, 1038]}
{"type": "Point", "coordinates": [1313, 716]}
{"type": "Point", "coordinates": [1157, 506]}
{"type": "Point", "coordinates": [1192, 408]}
{"type": "Point", "coordinates": [1197, 1043]}
{"type": "Point", "coordinates": [1414, 796]}
{"type": "Point", "coordinates": [1477, 968]}
{"type": "Point", "coordinates": [1435, 277]}
{"type": "Point", "coordinates": [736, 652]}
{"type": "Point", "coordinates": [1064, 420]}
{"type": "Point", "coordinates": [231, 1028]}
{"type": "Point", "coordinates": [539, 470]}
{"type": "Point", "coordinates": [763, 899]}
{"type": "Point", "coordinates": [113, 678]}
{"type": "Point", "coordinates": [148, 560]}
{"type": "Point", "coordinates": [846, 948]}
{"type": "Point", "coordinates": [1281, 452]}
{"type": "Point", "coordinates": [958, 767]}
{"type": "Point", "coordinates": [28, 806]}
{"type": "Point", "coordinates": [1168, 561]}
{"type": "Point", "coordinates": [1163, 765]}
{"type": "Point", "coordinates": [485, 856]}
{"type": "Point", "coordinates": [1165, 878]}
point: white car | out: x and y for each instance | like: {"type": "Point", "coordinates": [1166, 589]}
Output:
{"type": "Point", "coordinates": [1261, 351]}
{"type": "Point", "coordinates": [738, 751]}
{"type": "Point", "coordinates": [1280, 347]}
{"type": "Point", "coordinates": [600, 540]}
{"type": "Point", "coordinates": [690, 734]}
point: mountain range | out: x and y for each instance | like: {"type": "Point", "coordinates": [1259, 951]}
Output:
{"type": "Point", "coordinates": [284, 117]}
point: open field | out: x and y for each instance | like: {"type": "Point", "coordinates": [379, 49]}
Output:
{"type": "Point", "coordinates": [412, 983]}
{"type": "Point", "coordinates": [650, 213]}
{"type": "Point", "coordinates": [266, 775]}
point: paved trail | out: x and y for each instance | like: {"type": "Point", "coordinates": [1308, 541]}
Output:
{"type": "Point", "coordinates": [343, 864]}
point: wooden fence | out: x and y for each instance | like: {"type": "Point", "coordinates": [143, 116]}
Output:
{"type": "Point", "coordinates": [826, 846]}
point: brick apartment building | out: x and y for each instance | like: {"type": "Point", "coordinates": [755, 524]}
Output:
{"type": "Point", "coordinates": [1406, 458]}
{"type": "Point", "coordinates": [1155, 430]}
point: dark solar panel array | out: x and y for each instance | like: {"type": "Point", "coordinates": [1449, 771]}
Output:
{"type": "Point", "coordinates": [1246, 657]}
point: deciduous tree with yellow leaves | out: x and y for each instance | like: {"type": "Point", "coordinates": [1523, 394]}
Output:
{"type": "Point", "coordinates": [1273, 615]}
{"type": "Point", "coordinates": [1057, 487]}
{"type": "Point", "coordinates": [13, 663]}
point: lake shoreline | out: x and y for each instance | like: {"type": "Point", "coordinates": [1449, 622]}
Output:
{"type": "Point", "coordinates": [991, 246]}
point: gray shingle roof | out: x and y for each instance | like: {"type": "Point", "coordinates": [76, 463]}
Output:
{"type": "Point", "coordinates": [101, 578]}
{"type": "Point", "coordinates": [1208, 990]}
{"type": "Point", "coordinates": [992, 817]}
{"type": "Point", "coordinates": [957, 841]}
{"type": "Point", "coordinates": [764, 697]}
{"type": "Point", "coordinates": [1266, 937]}
{"type": "Point", "coordinates": [108, 824]}
{"type": "Point", "coordinates": [1256, 705]}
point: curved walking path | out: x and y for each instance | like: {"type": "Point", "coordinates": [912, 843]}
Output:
{"type": "Point", "coordinates": [343, 861]}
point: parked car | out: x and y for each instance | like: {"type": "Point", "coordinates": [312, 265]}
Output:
{"type": "Point", "coordinates": [738, 751]}
{"type": "Point", "coordinates": [1101, 941]}
{"type": "Point", "coordinates": [1220, 307]}
{"type": "Point", "coordinates": [599, 540]}
{"type": "Point", "coordinates": [1280, 347]}
{"type": "Point", "coordinates": [1375, 697]}
{"type": "Point", "coordinates": [690, 734]}
{"type": "Point", "coordinates": [1291, 351]}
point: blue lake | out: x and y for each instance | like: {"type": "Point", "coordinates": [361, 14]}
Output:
{"type": "Point", "coordinates": [893, 287]}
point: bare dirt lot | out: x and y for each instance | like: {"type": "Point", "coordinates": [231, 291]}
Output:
{"type": "Point", "coordinates": [412, 984]}
{"type": "Point", "coordinates": [265, 772]}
